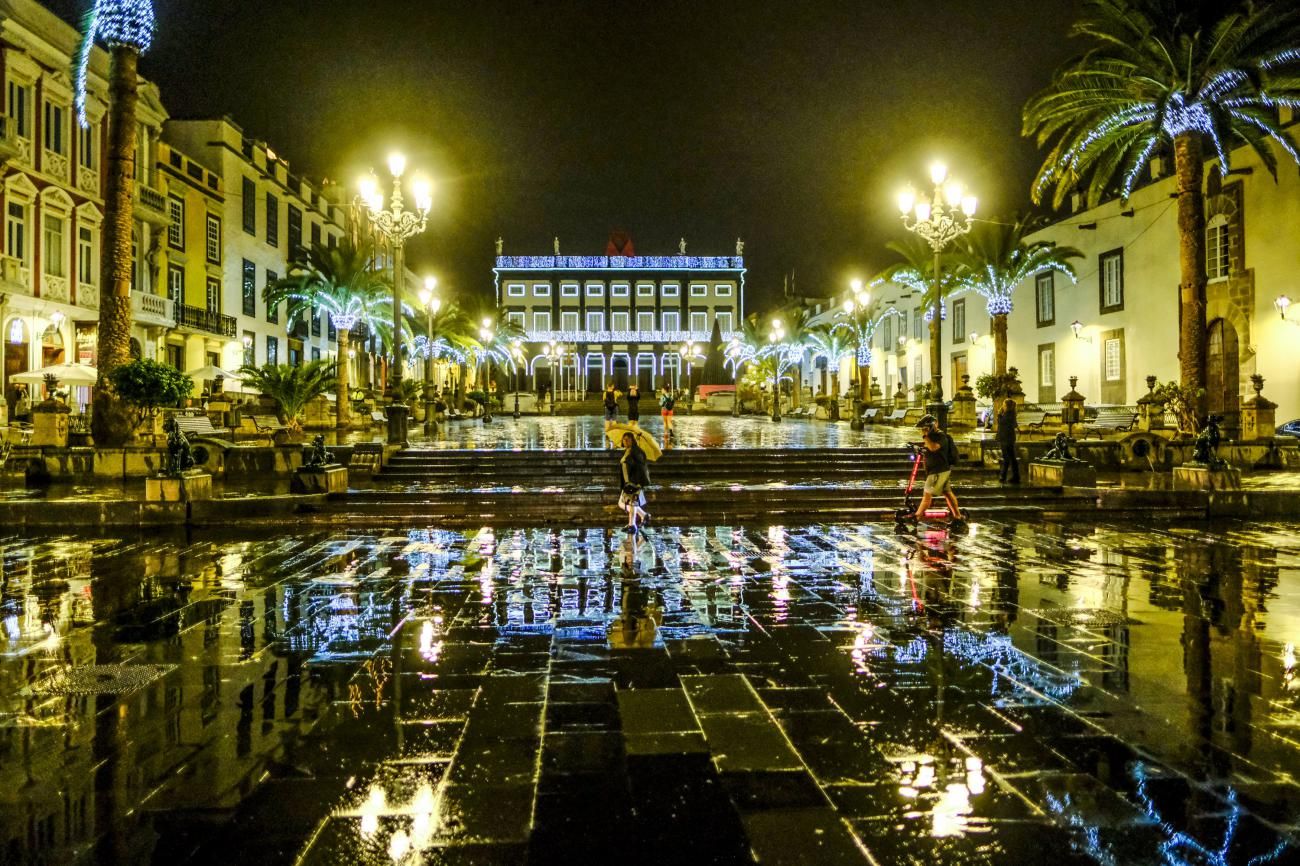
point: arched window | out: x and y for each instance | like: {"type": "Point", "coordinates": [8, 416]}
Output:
{"type": "Point", "coordinates": [1216, 247]}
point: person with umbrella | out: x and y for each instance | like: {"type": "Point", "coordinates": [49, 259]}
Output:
{"type": "Point", "coordinates": [633, 476]}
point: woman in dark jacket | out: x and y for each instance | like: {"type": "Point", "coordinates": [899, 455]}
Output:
{"type": "Point", "coordinates": [1006, 438]}
{"type": "Point", "coordinates": [634, 406]}
{"type": "Point", "coordinates": [633, 477]}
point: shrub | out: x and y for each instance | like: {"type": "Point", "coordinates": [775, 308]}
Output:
{"type": "Point", "coordinates": [147, 386]}
{"type": "Point", "coordinates": [991, 386]}
{"type": "Point", "coordinates": [292, 388]}
{"type": "Point", "coordinates": [1182, 403]}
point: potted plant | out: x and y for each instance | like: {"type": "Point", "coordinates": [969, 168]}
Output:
{"type": "Point", "coordinates": [996, 388]}
{"type": "Point", "coordinates": [291, 388]}
{"type": "Point", "coordinates": [1182, 403]}
{"type": "Point", "coordinates": [145, 387]}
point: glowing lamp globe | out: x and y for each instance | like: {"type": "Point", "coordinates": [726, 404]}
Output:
{"type": "Point", "coordinates": [396, 163]}
{"type": "Point", "coordinates": [938, 173]}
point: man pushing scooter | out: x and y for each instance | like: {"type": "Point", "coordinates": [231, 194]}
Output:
{"type": "Point", "coordinates": [940, 456]}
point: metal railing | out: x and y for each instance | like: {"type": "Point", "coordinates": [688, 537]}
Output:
{"type": "Point", "coordinates": [201, 319]}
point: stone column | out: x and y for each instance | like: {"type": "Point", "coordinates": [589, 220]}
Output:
{"type": "Point", "coordinates": [1072, 406]}
{"type": "Point", "coordinates": [963, 406]}
{"type": "Point", "coordinates": [1258, 420]}
{"type": "Point", "coordinates": [50, 424]}
{"type": "Point", "coordinates": [1151, 409]}
{"type": "Point", "coordinates": [900, 397]}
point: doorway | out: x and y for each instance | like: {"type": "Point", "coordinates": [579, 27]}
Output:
{"type": "Point", "coordinates": [619, 368]}
{"type": "Point", "coordinates": [1223, 375]}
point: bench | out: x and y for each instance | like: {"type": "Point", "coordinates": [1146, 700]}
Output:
{"type": "Point", "coordinates": [378, 417]}
{"type": "Point", "coordinates": [197, 425]}
{"type": "Point", "coordinates": [1112, 419]}
{"type": "Point", "coordinates": [896, 417]}
{"type": "Point", "coordinates": [267, 424]}
{"type": "Point", "coordinates": [1026, 421]}
{"type": "Point", "coordinates": [869, 416]}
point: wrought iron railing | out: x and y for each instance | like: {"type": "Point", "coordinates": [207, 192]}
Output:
{"type": "Point", "coordinates": [201, 319]}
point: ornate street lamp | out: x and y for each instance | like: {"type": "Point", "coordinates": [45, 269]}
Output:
{"type": "Point", "coordinates": [775, 337]}
{"type": "Point", "coordinates": [486, 336]}
{"type": "Point", "coordinates": [431, 303]}
{"type": "Point", "coordinates": [939, 219]}
{"type": "Point", "coordinates": [517, 353]}
{"type": "Point", "coordinates": [397, 225]}
{"type": "Point", "coordinates": [690, 350]}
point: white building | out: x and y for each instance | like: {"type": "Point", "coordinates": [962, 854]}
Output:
{"type": "Point", "coordinates": [1119, 323]}
{"type": "Point", "coordinates": [269, 215]}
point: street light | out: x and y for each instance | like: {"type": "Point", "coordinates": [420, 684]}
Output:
{"type": "Point", "coordinates": [689, 351]}
{"type": "Point", "coordinates": [734, 351]}
{"type": "Point", "coordinates": [486, 335]}
{"type": "Point", "coordinates": [516, 353]}
{"type": "Point", "coordinates": [431, 303]}
{"type": "Point", "coordinates": [939, 218]}
{"type": "Point", "coordinates": [398, 225]}
{"type": "Point", "coordinates": [775, 337]}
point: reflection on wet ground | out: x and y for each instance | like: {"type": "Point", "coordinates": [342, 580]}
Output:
{"type": "Point", "coordinates": [722, 694]}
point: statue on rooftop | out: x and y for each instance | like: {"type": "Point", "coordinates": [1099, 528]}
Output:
{"type": "Point", "coordinates": [681, 247]}
{"type": "Point", "coordinates": [556, 245]}
{"type": "Point", "coordinates": [500, 244]}
{"type": "Point", "coordinates": [740, 247]}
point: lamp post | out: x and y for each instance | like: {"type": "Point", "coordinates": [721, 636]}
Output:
{"type": "Point", "coordinates": [857, 303]}
{"type": "Point", "coordinates": [774, 337]}
{"type": "Point", "coordinates": [516, 353]}
{"type": "Point", "coordinates": [554, 353]}
{"type": "Point", "coordinates": [734, 351]}
{"type": "Point", "coordinates": [398, 225]}
{"type": "Point", "coordinates": [689, 351]}
{"type": "Point", "coordinates": [431, 304]}
{"type": "Point", "coordinates": [486, 334]}
{"type": "Point", "coordinates": [939, 219]}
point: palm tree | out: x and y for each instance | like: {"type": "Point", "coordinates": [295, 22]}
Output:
{"type": "Point", "coordinates": [915, 270]}
{"type": "Point", "coordinates": [127, 27]}
{"type": "Point", "coordinates": [340, 281]}
{"type": "Point", "coordinates": [994, 258]}
{"type": "Point", "coordinates": [797, 322]}
{"type": "Point", "coordinates": [292, 388]}
{"type": "Point", "coordinates": [832, 343]}
{"type": "Point", "coordinates": [1158, 77]}
{"type": "Point", "coordinates": [860, 324]}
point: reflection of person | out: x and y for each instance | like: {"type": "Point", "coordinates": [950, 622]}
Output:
{"type": "Point", "coordinates": [633, 476]}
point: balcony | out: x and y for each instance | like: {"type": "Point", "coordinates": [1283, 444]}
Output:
{"type": "Point", "coordinates": [88, 296]}
{"type": "Point", "coordinates": [200, 319]}
{"type": "Point", "coordinates": [585, 336]}
{"type": "Point", "coordinates": [55, 288]}
{"type": "Point", "coordinates": [88, 180]}
{"type": "Point", "coordinates": [55, 164]}
{"type": "Point", "coordinates": [10, 149]}
{"type": "Point", "coordinates": [15, 278]}
{"type": "Point", "coordinates": [151, 205]}
{"type": "Point", "coordinates": [150, 309]}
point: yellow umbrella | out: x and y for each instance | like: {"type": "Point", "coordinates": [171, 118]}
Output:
{"type": "Point", "coordinates": [643, 439]}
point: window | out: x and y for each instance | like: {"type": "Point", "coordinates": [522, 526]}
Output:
{"type": "Point", "coordinates": [515, 290]}
{"type": "Point", "coordinates": [699, 322]}
{"type": "Point", "coordinates": [541, 290]}
{"type": "Point", "coordinates": [1045, 299]}
{"type": "Point", "coordinates": [20, 100]}
{"type": "Point", "coordinates": [272, 310]}
{"type": "Point", "coordinates": [1047, 366]}
{"type": "Point", "coordinates": [918, 319]}
{"type": "Point", "coordinates": [295, 232]}
{"type": "Point", "coordinates": [620, 321]}
{"type": "Point", "coordinates": [917, 372]}
{"type": "Point", "coordinates": [569, 321]}
{"type": "Point", "coordinates": [568, 290]}
{"type": "Point", "coordinates": [272, 220]}
{"type": "Point", "coordinates": [86, 254]}
{"type": "Point", "coordinates": [53, 252]}
{"type": "Point", "coordinates": [16, 230]}
{"type": "Point", "coordinates": [722, 290]}
{"type": "Point", "coordinates": [723, 318]}
{"type": "Point", "coordinates": [595, 321]}
{"type": "Point", "coordinates": [213, 298]}
{"type": "Point", "coordinates": [176, 228]}
{"type": "Point", "coordinates": [272, 350]}
{"type": "Point", "coordinates": [214, 239]}
{"type": "Point", "coordinates": [1110, 271]}
{"type": "Point", "coordinates": [620, 290]}
{"type": "Point", "coordinates": [671, 290]}
{"type": "Point", "coordinates": [250, 206]}
{"type": "Point", "coordinates": [1114, 355]}
{"type": "Point", "coordinates": [176, 284]}
{"type": "Point", "coordinates": [699, 290]}
{"type": "Point", "coordinates": [315, 353]}
{"type": "Point", "coordinates": [1216, 248]}
{"type": "Point", "coordinates": [315, 322]}
{"type": "Point", "coordinates": [87, 151]}
{"type": "Point", "coordinates": [645, 290]}
{"type": "Point", "coordinates": [672, 320]}
{"type": "Point", "coordinates": [250, 288]}
{"type": "Point", "coordinates": [516, 319]}
{"type": "Point", "coordinates": [250, 349]}
{"type": "Point", "coordinates": [959, 321]}
{"type": "Point", "coordinates": [645, 321]}
{"type": "Point", "coordinates": [315, 234]}
{"type": "Point", "coordinates": [55, 116]}
{"type": "Point", "coordinates": [595, 290]}
{"type": "Point", "coordinates": [541, 320]}
{"type": "Point", "coordinates": [887, 334]}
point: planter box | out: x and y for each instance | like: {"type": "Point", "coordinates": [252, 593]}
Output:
{"type": "Point", "coordinates": [1058, 473]}
{"type": "Point", "coordinates": [1193, 477]}
{"type": "Point", "coordinates": [188, 487]}
{"type": "Point", "coordinates": [330, 479]}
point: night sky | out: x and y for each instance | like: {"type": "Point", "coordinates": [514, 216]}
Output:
{"type": "Point", "coordinates": [790, 124]}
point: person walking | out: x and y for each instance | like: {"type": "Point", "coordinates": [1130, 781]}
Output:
{"type": "Point", "coordinates": [611, 405]}
{"type": "Point", "coordinates": [950, 457]}
{"type": "Point", "coordinates": [938, 471]}
{"type": "Point", "coordinates": [633, 477]}
{"type": "Point", "coordinates": [666, 404]}
{"type": "Point", "coordinates": [1006, 439]}
{"type": "Point", "coordinates": [634, 406]}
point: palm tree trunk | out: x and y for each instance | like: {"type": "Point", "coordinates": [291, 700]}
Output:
{"type": "Point", "coordinates": [864, 383]}
{"type": "Point", "coordinates": [936, 355]}
{"type": "Point", "coordinates": [1190, 169]}
{"type": "Point", "coordinates": [111, 420]}
{"type": "Point", "coordinates": [343, 404]}
{"type": "Point", "coordinates": [798, 386]}
{"type": "Point", "coordinates": [1000, 344]}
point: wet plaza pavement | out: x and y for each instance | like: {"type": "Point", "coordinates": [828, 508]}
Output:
{"type": "Point", "coordinates": [806, 694]}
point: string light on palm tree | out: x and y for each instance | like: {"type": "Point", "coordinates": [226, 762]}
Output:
{"type": "Point", "coordinates": [939, 218]}
{"type": "Point", "coordinates": [516, 355]}
{"type": "Point", "coordinates": [861, 319]}
{"type": "Point", "coordinates": [397, 225]}
{"type": "Point", "coordinates": [776, 340]}
{"type": "Point", "coordinates": [431, 302]}
{"type": "Point", "coordinates": [738, 352]}
{"type": "Point", "coordinates": [486, 337]}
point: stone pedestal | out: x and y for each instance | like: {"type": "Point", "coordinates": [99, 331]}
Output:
{"type": "Point", "coordinates": [397, 419]}
{"type": "Point", "coordinates": [900, 397]}
{"type": "Point", "coordinates": [963, 406]}
{"type": "Point", "coordinates": [1151, 410]}
{"type": "Point", "coordinates": [330, 478]}
{"type": "Point", "coordinates": [1061, 473]}
{"type": "Point", "coordinates": [1258, 418]}
{"type": "Point", "coordinates": [50, 424]}
{"type": "Point", "coordinates": [1194, 477]}
{"type": "Point", "coordinates": [189, 486]}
